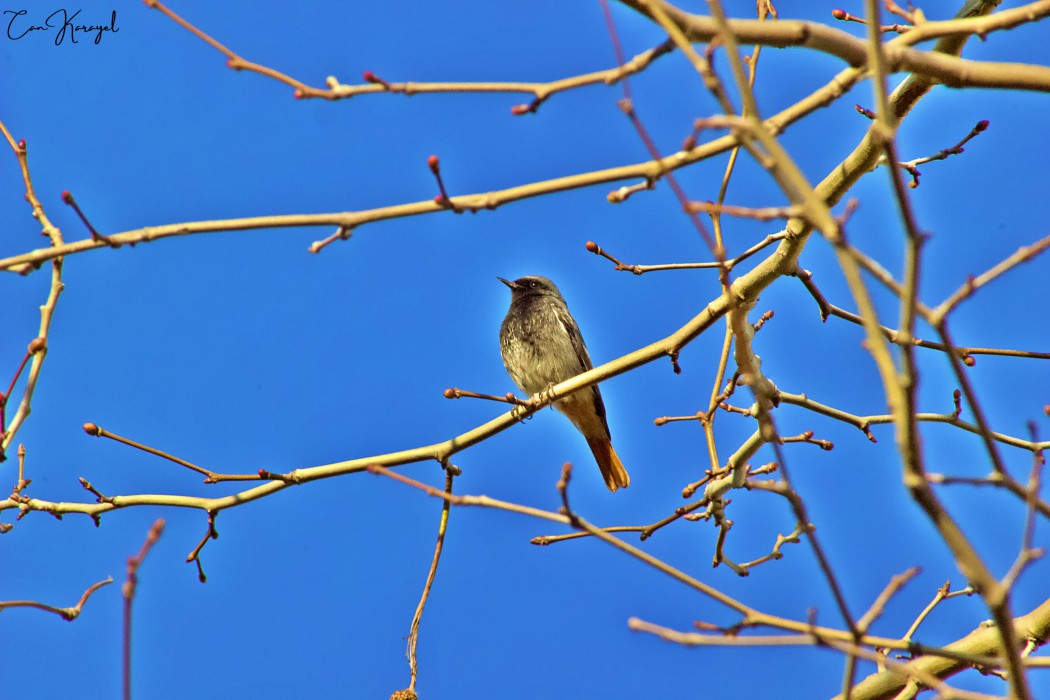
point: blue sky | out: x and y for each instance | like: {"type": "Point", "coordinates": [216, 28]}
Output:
{"type": "Point", "coordinates": [240, 351]}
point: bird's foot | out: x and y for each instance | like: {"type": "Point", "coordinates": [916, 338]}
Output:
{"type": "Point", "coordinates": [543, 398]}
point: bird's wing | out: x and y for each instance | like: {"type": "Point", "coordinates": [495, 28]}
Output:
{"type": "Point", "coordinates": [573, 331]}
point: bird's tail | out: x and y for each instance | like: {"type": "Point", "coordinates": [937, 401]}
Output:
{"type": "Point", "coordinates": [613, 471]}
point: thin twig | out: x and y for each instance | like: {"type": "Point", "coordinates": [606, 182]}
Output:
{"type": "Point", "coordinates": [69, 614]}
{"type": "Point", "coordinates": [335, 90]}
{"type": "Point", "coordinates": [128, 590]}
{"type": "Point", "coordinates": [38, 347]}
{"type": "Point", "coordinates": [210, 476]}
{"type": "Point", "coordinates": [413, 634]}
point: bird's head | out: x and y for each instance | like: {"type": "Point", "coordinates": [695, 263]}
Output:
{"type": "Point", "coordinates": [530, 286]}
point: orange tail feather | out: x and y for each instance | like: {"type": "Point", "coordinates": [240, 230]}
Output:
{"type": "Point", "coordinates": [613, 471]}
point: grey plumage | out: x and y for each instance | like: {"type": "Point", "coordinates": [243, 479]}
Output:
{"type": "Point", "coordinates": [541, 346]}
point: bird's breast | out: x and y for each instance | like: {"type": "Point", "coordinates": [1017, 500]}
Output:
{"type": "Point", "coordinates": [537, 350]}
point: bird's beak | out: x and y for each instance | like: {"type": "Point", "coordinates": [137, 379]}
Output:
{"type": "Point", "coordinates": [510, 284]}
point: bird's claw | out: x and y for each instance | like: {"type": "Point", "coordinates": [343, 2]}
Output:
{"type": "Point", "coordinates": [544, 397]}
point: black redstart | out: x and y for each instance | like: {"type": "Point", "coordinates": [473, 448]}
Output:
{"type": "Point", "coordinates": [542, 346]}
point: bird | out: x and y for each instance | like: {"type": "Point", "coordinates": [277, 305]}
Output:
{"type": "Point", "coordinates": [542, 346]}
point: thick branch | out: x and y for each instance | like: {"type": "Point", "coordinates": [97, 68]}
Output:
{"type": "Point", "coordinates": [983, 641]}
